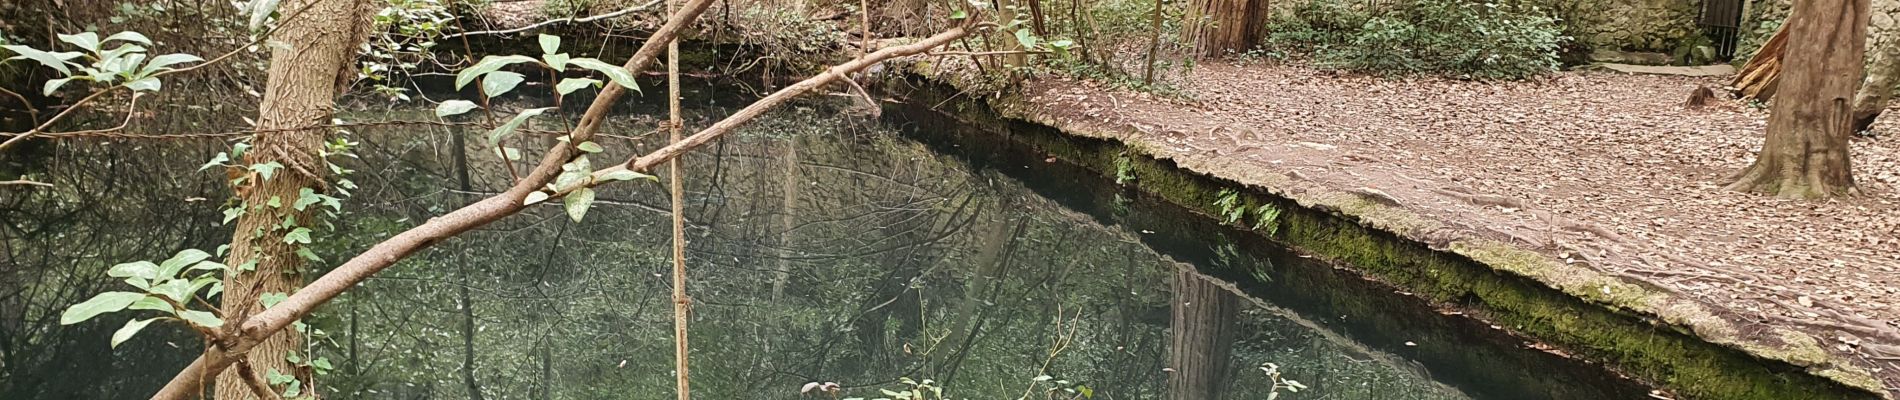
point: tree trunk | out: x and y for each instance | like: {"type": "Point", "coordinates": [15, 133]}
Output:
{"type": "Point", "coordinates": [1217, 27]}
{"type": "Point", "coordinates": [1883, 72]}
{"type": "Point", "coordinates": [1757, 79]}
{"type": "Point", "coordinates": [319, 45]}
{"type": "Point", "coordinates": [1202, 335]}
{"type": "Point", "coordinates": [1805, 153]}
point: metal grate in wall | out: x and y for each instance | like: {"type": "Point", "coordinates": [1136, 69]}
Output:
{"type": "Point", "coordinates": [1721, 22]}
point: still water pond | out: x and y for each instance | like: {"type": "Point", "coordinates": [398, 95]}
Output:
{"type": "Point", "coordinates": [826, 245]}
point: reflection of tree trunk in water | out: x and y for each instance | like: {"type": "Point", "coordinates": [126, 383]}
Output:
{"type": "Point", "coordinates": [468, 304]}
{"type": "Point", "coordinates": [997, 240]}
{"type": "Point", "coordinates": [787, 217]}
{"type": "Point", "coordinates": [1202, 331]}
{"type": "Point", "coordinates": [547, 372]}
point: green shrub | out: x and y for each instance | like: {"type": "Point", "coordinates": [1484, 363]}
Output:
{"type": "Point", "coordinates": [1459, 39]}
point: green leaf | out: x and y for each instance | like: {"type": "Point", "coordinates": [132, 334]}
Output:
{"type": "Point", "coordinates": [232, 213]}
{"type": "Point", "coordinates": [265, 170]}
{"type": "Point", "coordinates": [269, 300]}
{"type": "Point", "coordinates": [151, 303]}
{"type": "Point", "coordinates": [101, 304]}
{"type": "Point", "coordinates": [1027, 39]}
{"type": "Point", "coordinates": [486, 65]}
{"type": "Point", "coordinates": [1062, 44]}
{"type": "Point", "coordinates": [129, 36]}
{"type": "Point", "coordinates": [306, 197]}
{"type": "Point", "coordinates": [85, 40]}
{"type": "Point", "coordinates": [556, 61]}
{"type": "Point", "coordinates": [53, 85]}
{"type": "Point", "coordinates": [260, 12]}
{"type": "Point", "coordinates": [217, 160]}
{"type": "Point", "coordinates": [209, 266]}
{"type": "Point", "coordinates": [187, 257]}
{"type": "Point", "coordinates": [589, 146]}
{"type": "Point", "coordinates": [131, 327]}
{"type": "Point", "coordinates": [164, 62]}
{"type": "Point", "coordinates": [578, 202]}
{"type": "Point", "coordinates": [508, 153]}
{"type": "Point", "coordinates": [501, 132]}
{"type": "Point", "coordinates": [322, 363]}
{"type": "Point", "coordinates": [570, 85]}
{"type": "Point", "coordinates": [625, 175]}
{"type": "Point", "coordinates": [454, 107]}
{"type": "Point", "coordinates": [54, 60]}
{"type": "Point", "coordinates": [144, 85]}
{"type": "Point", "coordinates": [959, 15]}
{"type": "Point", "coordinates": [300, 235]}
{"type": "Point", "coordinates": [308, 255]}
{"type": "Point", "coordinates": [615, 72]}
{"type": "Point", "coordinates": [178, 290]}
{"type": "Point", "coordinates": [550, 43]}
{"type": "Point", "coordinates": [534, 197]}
{"type": "Point", "coordinates": [278, 378]}
{"type": "Point", "coordinates": [201, 318]}
{"type": "Point", "coordinates": [136, 269]}
{"type": "Point", "coordinates": [500, 82]}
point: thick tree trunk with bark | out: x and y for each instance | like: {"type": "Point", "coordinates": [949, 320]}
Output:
{"type": "Point", "coordinates": [1217, 27]}
{"type": "Point", "coordinates": [1202, 336]}
{"type": "Point", "coordinates": [1805, 154]}
{"type": "Point", "coordinates": [318, 46]}
{"type": "Point", "coordinates": [1757, 79]}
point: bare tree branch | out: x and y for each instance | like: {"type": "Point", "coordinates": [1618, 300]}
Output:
{"type": "Point", "coordinates": [258, 386]}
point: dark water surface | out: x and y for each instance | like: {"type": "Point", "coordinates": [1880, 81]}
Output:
{"type": "Point", "coordinates": [825, 245]}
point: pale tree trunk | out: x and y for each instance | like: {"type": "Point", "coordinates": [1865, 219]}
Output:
{"type": "Point", "coordinates": [1217, 27]}
{"type": "Point", "coordinates": [1201, 333]}
{"type": "Point", "coordinates": [1805, 154]}
{"type": "Point", "coordinates": [1883, 72]}
{"type": "Point", "coordinates": [318, 45]}
{"type": "Point", "coordinates": [788, 216]}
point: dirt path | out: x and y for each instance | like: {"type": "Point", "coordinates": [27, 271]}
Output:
{"type": "Point", "coordinates": [1599, 168]}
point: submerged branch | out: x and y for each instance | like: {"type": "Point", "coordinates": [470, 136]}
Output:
{"type": "Point", "coordinates": [573, 20]}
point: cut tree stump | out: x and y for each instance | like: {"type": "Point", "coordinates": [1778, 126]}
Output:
{"type": "Point", "coordinates": [1758, 78]}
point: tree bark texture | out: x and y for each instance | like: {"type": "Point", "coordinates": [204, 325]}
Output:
{"type": "Point", "coordinates": [1217, 27]}
{"type": "Point", "coordinates": [319, 45]}
{"type": "Point", "coordinates": [1757, 79]}
{"type": "Point", "coordinates": [1805, 154]}
{"type": "Point", "coordinates": [1201, 335]}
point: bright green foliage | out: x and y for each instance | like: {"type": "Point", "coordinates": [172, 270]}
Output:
{"type": "Point", "coordinates": [1463, 40]}
{"type": "Point", "coordinates": [165, 286]}
{"type": "Point", "coordinates": [125, 64]}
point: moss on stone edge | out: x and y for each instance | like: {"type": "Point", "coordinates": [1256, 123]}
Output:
{"type": "Point", "coordinates": [1671, 342]}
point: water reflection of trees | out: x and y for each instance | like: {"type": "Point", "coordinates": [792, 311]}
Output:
{"type": "Point", "coordinates": [821, 250]}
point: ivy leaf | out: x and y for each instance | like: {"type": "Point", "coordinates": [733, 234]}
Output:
{"type": "Point", "coordinates": [454, 107]}
{"type": "Point", "coordinates": [589, 146]}
{"type": "Point", "coordinates": [101, 304]}
{"type": "Point", "coordinates": [54, 60]}
{"type": "Point", "coordinates": [308, 255]}
{"type": "Point", "coordinates": [550, 43]}
{"type": "Point", "coordinates": [201, 318]}
{"type": "Point", "coordinates": [136, 269]}
{"type": "Point", "coordinates": [570, 85]}
{"type": "Point", "coordinates": [232, 213]}
{"type": "Point", "coordinates": [300, 235]}
{"type": "Point", "coordinates": [144, 85]}
{"type": "Point", "coordinates": [500, 82]}
{"type": "Point", "coordinates": [486, 65]}
{"type": "Point", "coordinates": [266, 169]}
{"type": "Point", "coordinates": [164, 62]}
{"type": "Point", "coordinates": [306, 197]}
{"type": "Point", "coordinates": [129, 36]}
{"type": "Point", "coordinates": [85, 40]}
{"type": "Point", "coordinates": [269, 300]}
{"type": "Point", "coordinates": [615, 72]}
{"type": "Point", "coordinates": [534, 197]}
{"type": "Point", "coordinates": [501, 132]}
{"type": "Point", "coordinates": [625, 175]}
{"type": "Point", "coordinates": [171, 267]}
{"type": "Point", "coordinates": [217, 160]}
{"type": "Point", "coordinates": [131, 328]}
{"type": "Point", "coordinates": [578, 202]}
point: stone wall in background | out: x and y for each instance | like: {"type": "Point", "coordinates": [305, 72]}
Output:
{"type": "Point", "coordinates": [1661, 26]}
{"type": "Point", "coordinates": [1765, 16]}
